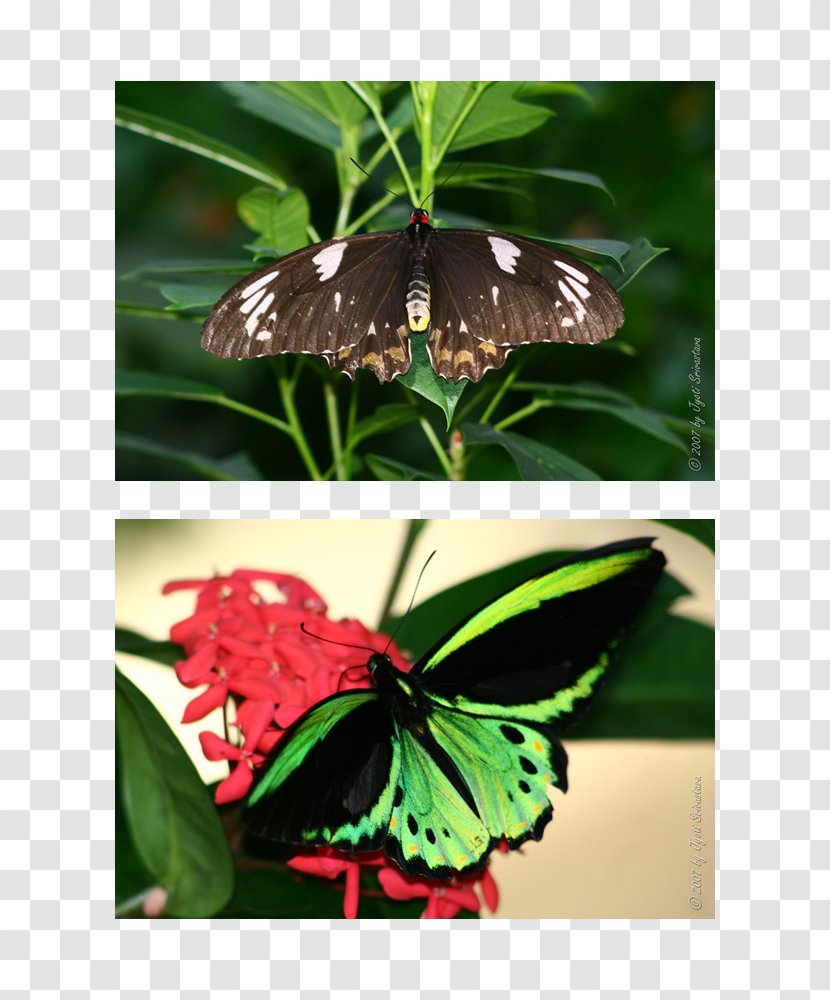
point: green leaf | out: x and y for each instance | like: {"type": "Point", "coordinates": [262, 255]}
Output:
{"type": "Point", "coordinates": [173, 823]}
{"type": "Point", "coordinates": [181, 296]}
{"type": "Point", "coordinates": [469, 173]}
{"type": "Point", "coordinates": [206, 266]}
{"type": "Point", "coordinates": [277, 105]}
{"type": "Point", "coordinates": [703, 529]}
{"type": "Point", "coordinates": [130, 383]}
{"type": "Point", "coordinates": [422, 378]}
{"type": "Point", "coordinates": [279, 218]}
{"type": "Point", "coordinates": [499, 114]}
{"type": "Point", "coordinates": [640, 254]}
{"type": "Point", "coordinates": [127, 641]}
{"type": "Point", "coordinates": [599, 400]}
{"type": "Point", "coordinates": [533, 460]}
{"type": "Point", "coordinates": [385, 468]}
{"type": "Point", "coordinates": [196, 142]}
{"type": "Point", "coordinates": [233, 467]}
{"type": "Point", "coordinates": [388, 417]}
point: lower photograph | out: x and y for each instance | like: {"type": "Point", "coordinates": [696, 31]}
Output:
{"type": "Point", "coordinates": [398, 719]}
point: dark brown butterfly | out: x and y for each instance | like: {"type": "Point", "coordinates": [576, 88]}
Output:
{"type": "Point", "coordinates": [356, 300]}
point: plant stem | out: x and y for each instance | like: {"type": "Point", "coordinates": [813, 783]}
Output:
{"type": "Point", "coordinates": [426, 427]}
{"type": "Point", "coordinates": [426, 93]}
{"type": "Point", "coordinates": [334, 428]}
{"type": "Point", "coordinates": [501, 391]}
{"type": "Point", "coordinates": [296, 428]}
{"type": "Point", "coordinates": [526, 411]}
{"type": "Point", "coordinates": [377, 114]}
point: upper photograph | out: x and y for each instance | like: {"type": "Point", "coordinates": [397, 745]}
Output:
{"type": "Point", "coordinates": [415, 281]}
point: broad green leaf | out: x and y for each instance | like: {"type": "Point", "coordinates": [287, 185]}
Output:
{"type": "Point", "coordinates": [181, 296]}
{"type": "Point", "coordinates": [613, 404]}
{"type": "Point", "coordinates": [388, 417]}
{"type": "Point", "coordinates": [127, 641]}
{"type": "Point", "coordinates": [388, 469]}
{"type": "Point", "coordinates": [662, 687]}
{"type": "Point", "coordinates": [238, 466]}
{"type": "Point", "coordinates": [469, 173]}
{"type": "Point", "coordinates": [533, 460]}
{"type": "Point", "coordinates": [130, 383]}
{"type": "Point", "coordinates": [703, 529]}
{"type": "Point", "coordinates": [284, 110]}
{"type": "Point", "coordinates": [333, 99]}
{"type": "Point", "coordinates": [422, 378]}
{"type": "Point", "coordinates": [547, 88]}
{"type": "Point", "coordinates": [196, 142]}
{"type": "Point", "coordinates": [640, 254]}
{"type": "Point", "coordinates": [280, 218]}
{"type": "Point", "coordinates": [173, 823]}
{"type": "Point", "coordinates": [499, 114]}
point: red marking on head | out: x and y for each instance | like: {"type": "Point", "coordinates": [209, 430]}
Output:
{"type": "Point", "coordinates": [419, 217]}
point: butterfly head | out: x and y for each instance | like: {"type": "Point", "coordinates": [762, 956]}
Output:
{"type": "Point", "coordinates": [419, 217]}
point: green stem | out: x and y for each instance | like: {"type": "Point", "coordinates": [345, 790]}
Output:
{"type": "Point", "coordinates": [526, 411]}
{"type": "Point", "coordinates": [370, 213]}
{"type": "Point", "coordinates": [296, 428]}
{"type": "Point", "coordinates": [387, 134]}
{"type": "Point", "coordinates": [334, 428]}
{"type": "Point", "coordinates": [502, 390]}
{"type": "Point", "coordinates": [426, 93]}
{"type": "Point", "coordinates": [436, 444]}
{"type": "Point", "coordinates": [414, 528]}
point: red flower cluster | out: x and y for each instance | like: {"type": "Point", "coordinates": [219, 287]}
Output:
{"type": "Point", "coordinates": [251, 652]}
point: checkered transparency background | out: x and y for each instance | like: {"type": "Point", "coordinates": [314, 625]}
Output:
{"type": "Point", "coordinates": [58, 65]}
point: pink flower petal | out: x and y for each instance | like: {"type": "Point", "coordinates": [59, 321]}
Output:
{"type": "Point", "coordinates": [204, 703]}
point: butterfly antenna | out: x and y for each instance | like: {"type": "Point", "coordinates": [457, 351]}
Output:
{"type": "Point", "coordinates": [411, 601]}
{"type": "Point", "coordinates": [334, 642]}
{"type": "Point", "coordinates": [454, 170]}
{"type": "Point", "coordinates": [376, 181]}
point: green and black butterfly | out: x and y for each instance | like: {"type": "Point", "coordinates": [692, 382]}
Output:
{"type": "Point", "coordinates": [437, 765]}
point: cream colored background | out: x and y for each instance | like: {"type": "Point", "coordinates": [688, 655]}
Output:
{"type": "Point", "coordinates": [618, 843]}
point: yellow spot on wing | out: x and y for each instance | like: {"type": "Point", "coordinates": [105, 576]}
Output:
{"type": "Point", "coordinates": [396, 353]}
{"type": "Point", "coordinates": [413, 848]}
{"type": "Point", "coordinates": [487, 347]}
{"type": "Point", "coordinates": [538, 745]}
{"type": "Point", "coordinates": [393, 822]}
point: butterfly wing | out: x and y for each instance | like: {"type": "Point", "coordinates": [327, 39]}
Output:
{"type": "Point", "coordinates": [332, 778]}
{"type": "Point", "coordinates": [344, 299]}
{"type": "Point", "coordinates": [495, 291]}
{"type": "Point", "coordinates": [525, 664]}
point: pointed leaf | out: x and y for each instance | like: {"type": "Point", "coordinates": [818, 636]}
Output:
{"type": "Point", "coordinates": [533, 460]}
{"type": "Point", "coordinates": [469, 173]}
{"type": "Point", "coordinates": [388, 469]}
{"type": "Point", "coordinates": [127, 641]}
{"type": "Point", "coordinates": [279, 218]}
{"type": "Point", "coordinates": [233, 467]}
{"type": "Point", "coordinates": [285, 110]}
{"type": "Point", "coordinates": [499, 114]}
{"type": "Point", "coordinates": [188, 138]}
{"type": "Point", "coordinates": [173, 823]}
{"type": "Point", "coordinates": [388, 417]}
{"type": "Point", "coordinates": [422, 378]}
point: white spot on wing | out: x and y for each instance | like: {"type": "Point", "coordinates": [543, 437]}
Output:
{"type": "Point", "coordinates": [328, 260]}
{"type": "Point", "coordinates": [253, 320]}
{"type": "Point", "coordinates": [246, 307]}
{"type": "Point", "coordinates": [337, 302]}
{"type": "Point", "coordinates": [572, 271]}
{"type": "Point", "coordinates": [259, 283]}
{"type": "Point", "coordinates": [567, 321]}
{"type": "Point", "coordinates": [579, 309]}
{"type": "Point", "coordinates": [505, 252]}
{"type": "Point", "coordinates": [495, 295]}
{"type": "Point", "coordinates": [580, 290]}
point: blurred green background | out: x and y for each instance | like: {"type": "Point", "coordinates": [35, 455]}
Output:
{"type": "Point", "coordinates": [651, 143]}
